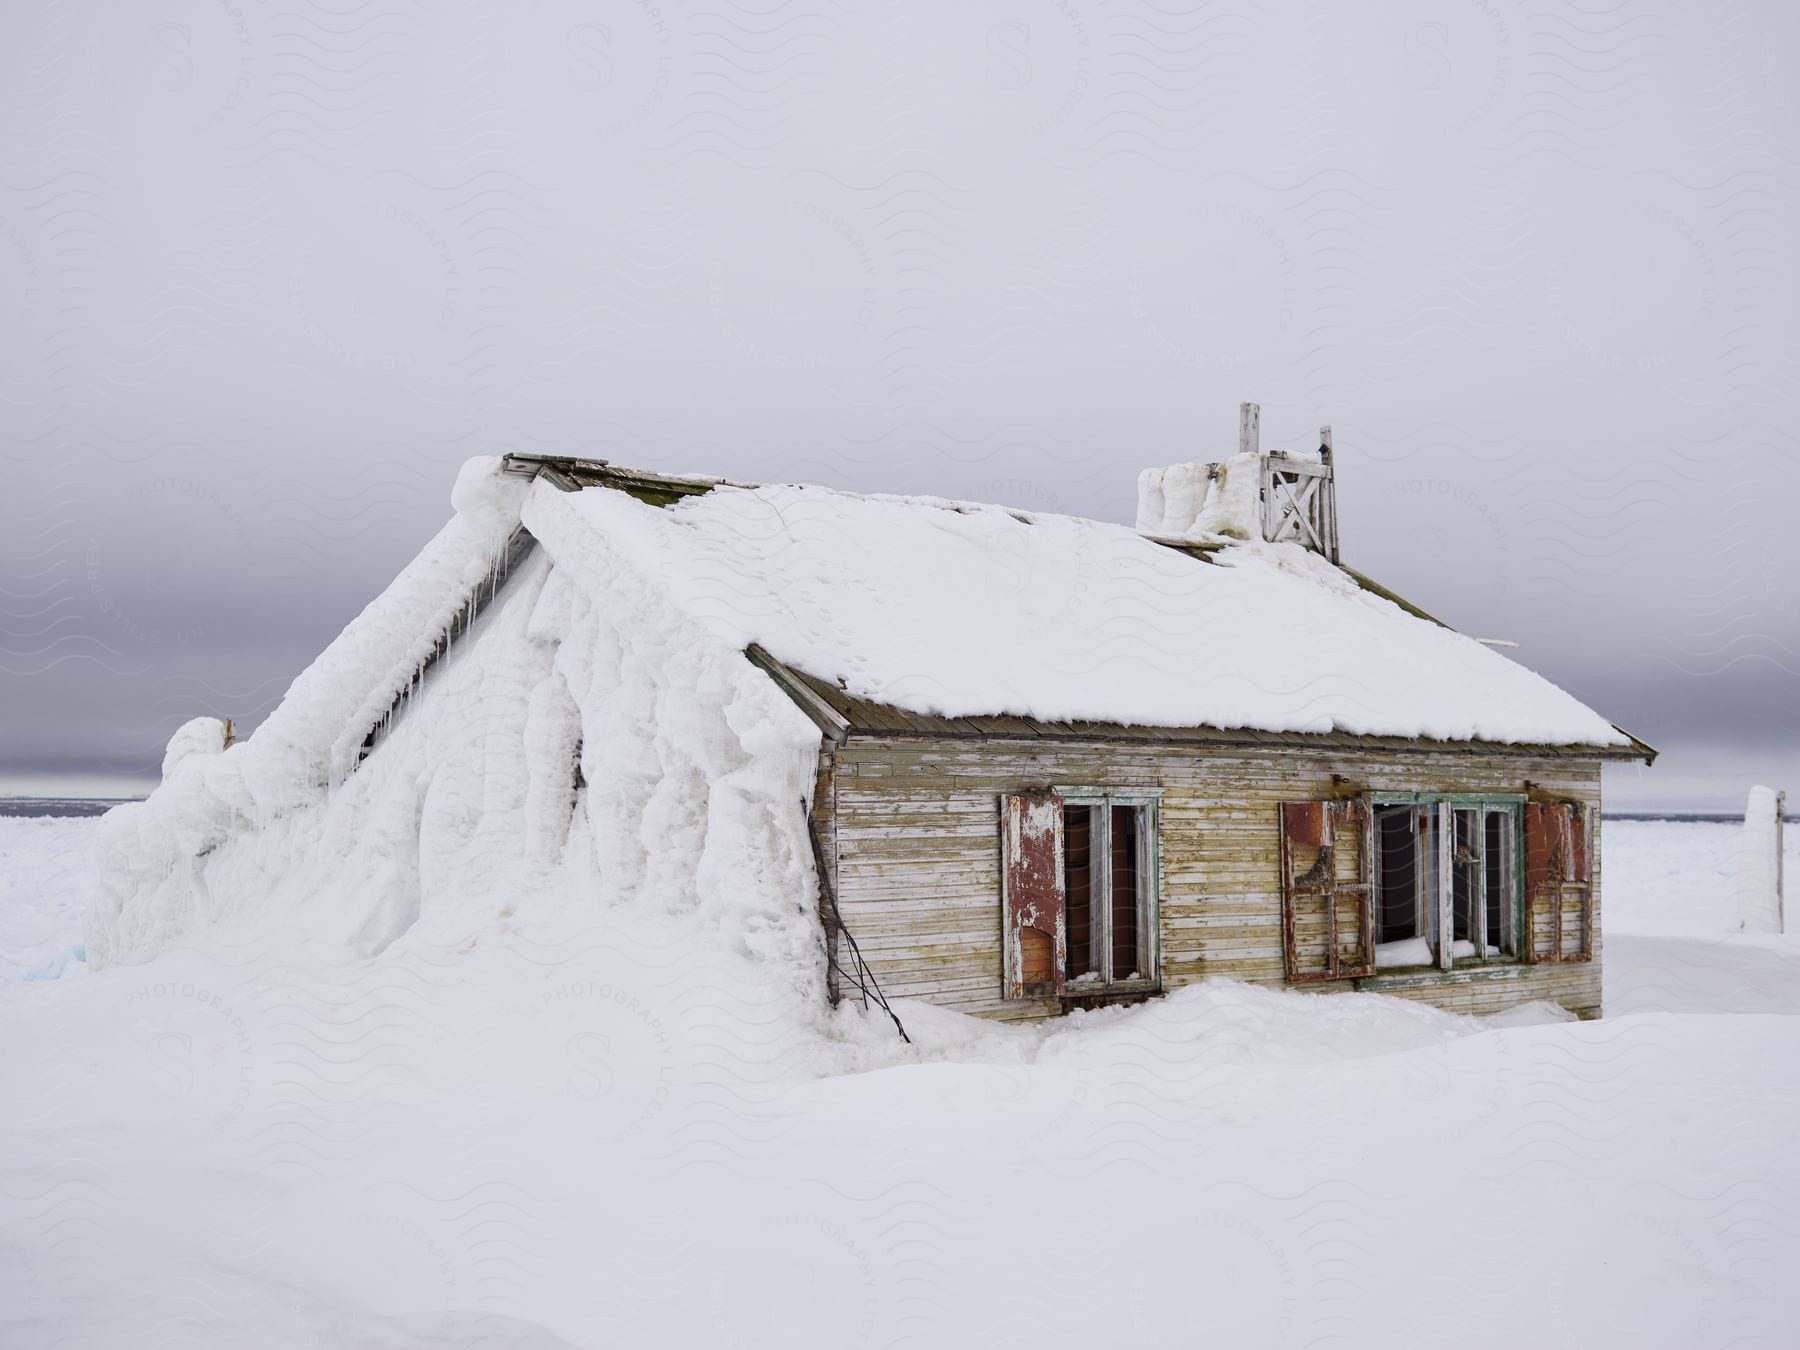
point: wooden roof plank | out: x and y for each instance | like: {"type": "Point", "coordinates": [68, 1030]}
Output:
{"type": "Point", "coordinates": [1005, 726]}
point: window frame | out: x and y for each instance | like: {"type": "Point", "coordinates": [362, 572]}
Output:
{"type": "Point", "coordinates": [1442, 911]}
{"type": "Point", "coordinates": [1148, 802]}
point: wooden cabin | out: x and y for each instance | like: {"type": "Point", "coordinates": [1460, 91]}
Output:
{"type": "Point", "coordinates": [979, 854]}
{"type": "Point", "coordinates": [1018, 869]}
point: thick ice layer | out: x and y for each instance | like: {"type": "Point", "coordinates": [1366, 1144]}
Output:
{"type": "Point", "coordinates": [1202, 501]}
{"type": "Point", "coordinates": [468, 810]}
{"type": "Point", "coordinates": [1233, 507]}
{"type": "Point", "coordinates": [155, 855]}
{"type": "Point", "coordinates": [969, 610]}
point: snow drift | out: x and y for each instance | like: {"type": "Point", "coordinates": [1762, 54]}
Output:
{"type": "Point", "coordinates": [473, 805]}
{"type": "Point", "coordinates": [532, 1149]}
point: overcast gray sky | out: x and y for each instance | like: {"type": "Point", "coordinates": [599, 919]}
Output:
{"type": "Point", "coordinates": [267, 274]}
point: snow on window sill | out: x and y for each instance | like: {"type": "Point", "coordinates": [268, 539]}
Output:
{"type": "Point", "coordinates": [1416, 954]}
{"type": "Point", "coordinates": [1407, 952]}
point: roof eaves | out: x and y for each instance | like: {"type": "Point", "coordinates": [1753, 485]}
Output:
{"type": "Point", "coordinates": [1639, 749]}
{"type": "Point", "coordinates": [841, 716]}
{"type": "Point", "coordinates": [1256, 740]}
{"type": "Point", "coordinates": [832, 724]}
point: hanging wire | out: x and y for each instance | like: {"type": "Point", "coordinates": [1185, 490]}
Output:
{"type": "Point", "coordinates": [859, 974]}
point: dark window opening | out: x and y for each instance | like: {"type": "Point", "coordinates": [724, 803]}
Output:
{"type": "Point", "coordinates": [1078, 886]}
{"type": "Point", "coordinates": [1125, 892]}
{"type": "Point", "coordinates": [1399, 875]}
{"type": "Point", "coordinates": [1498, 880]}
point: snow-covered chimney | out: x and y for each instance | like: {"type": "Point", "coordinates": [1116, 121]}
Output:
{"type": "Point", "coordinates": [1283, 496]}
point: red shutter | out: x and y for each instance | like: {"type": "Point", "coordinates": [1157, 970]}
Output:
{"type": "Point", "coordinates": [1543, 830]}
{"type": "Point", "coordinates": [1558, 870]}
{"type": "Point", "coordinates": [1327, 901]}
{"type": "Point", "coordinates": [1581, 863]}
{"type": "Point", "coordinates": [1035, 933]}
{"type": "Point", "coordinates": [1307, 823]}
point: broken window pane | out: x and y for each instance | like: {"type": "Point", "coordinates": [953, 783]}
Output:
{"type": "Point", "coordinates": [1465, 882]}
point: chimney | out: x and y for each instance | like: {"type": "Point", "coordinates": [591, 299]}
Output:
{"type": "Point", "coordinates": [1283, 496]}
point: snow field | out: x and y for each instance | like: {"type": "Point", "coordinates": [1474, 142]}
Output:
{"type": "Point", "coordinates": [584, 1127]}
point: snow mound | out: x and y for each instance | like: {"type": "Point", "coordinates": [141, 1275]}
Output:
{"type": "Point", "coordinates": [425, 1151]}
{"type": "Point", "coordinates": [584, 744]}
{"type": "Point", "coordinates": [199, 736]}
{"type": "Point", "coordinates": [151, 870]}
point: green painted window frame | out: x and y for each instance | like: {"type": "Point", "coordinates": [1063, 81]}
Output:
{"type": "Point", "coordinates": [1513, 803]}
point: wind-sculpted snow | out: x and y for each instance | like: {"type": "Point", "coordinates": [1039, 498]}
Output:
{"type": "Point", "coordinates": [584, 749]}
{"type": "Point", "coordinates": [156, 856]}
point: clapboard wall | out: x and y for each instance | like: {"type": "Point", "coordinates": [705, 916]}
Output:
{"type": "Point", "coordinates": [911, 833]}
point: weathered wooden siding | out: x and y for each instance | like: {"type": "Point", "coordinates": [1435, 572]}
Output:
{"type": "Point", "coordinates": [915, 838]}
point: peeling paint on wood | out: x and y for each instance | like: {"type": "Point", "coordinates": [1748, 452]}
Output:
{"type": "Point", "coordinates": [1036, 933]}
{"type": "Point", "coordinates": [917, 825]}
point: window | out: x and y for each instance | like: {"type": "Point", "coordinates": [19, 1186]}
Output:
{"type": "Point", "coordinates": [1447, 866]}
{"type": "Point", "coordinates": [1433, 882]}
{"type": "Point", "coordinates": [1080, 881]}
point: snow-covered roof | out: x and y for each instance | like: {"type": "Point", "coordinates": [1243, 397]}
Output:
{"type": "Point", "coordinates": [962, 610]}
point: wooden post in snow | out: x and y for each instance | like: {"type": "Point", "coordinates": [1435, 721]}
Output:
{"type": "Point", "coordinates": [1249, 428]}
{"type": "Point", "coordinates": [1760, 903]}
{"type": "Point", "coordinates": [1780, 862]}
